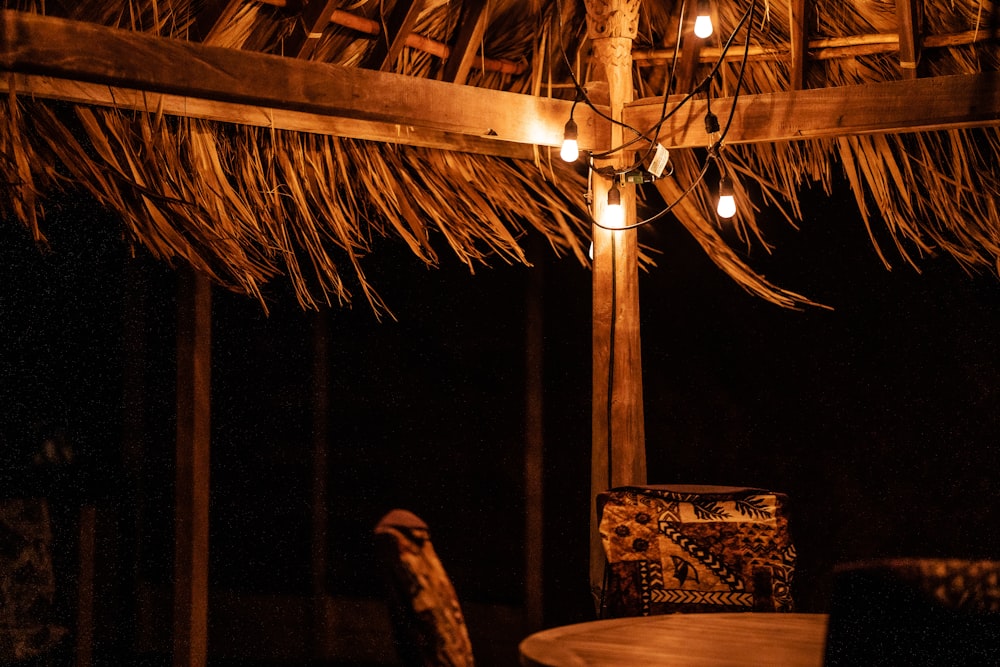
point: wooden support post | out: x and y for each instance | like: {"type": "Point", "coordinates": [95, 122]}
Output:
{"type": "Point", "coordinates": [320, 456]}
{"type": "Point", "coordinates": [194, 329]}
{"type": "Point", "coordinates": [534, 441]}
{"type": "Point", "coordinates": [85, 587]}
{"type": "Point", "coordinates": [618, 434]}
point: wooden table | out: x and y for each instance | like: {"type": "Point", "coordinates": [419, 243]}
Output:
{"type": "Point", "coordinates": [684, 640]}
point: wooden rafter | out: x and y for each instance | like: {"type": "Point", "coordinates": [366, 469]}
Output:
{"type": "Point", "coordinates": [690, 54]}
{"type": "Point", "coordinates": [396, 28]}
{"type": "Point", "coordinates": [827, 48]}
{"type": "Point", "coordinates": [313, 19]}
{"type": "Point", "coordinates": [82, 62]}
{"type": "Point", "coordinates": [472, 27]}
{"type": "Point", "coordinates": [938, 103]}
{"type": "Point", "coordinates": [67, 60]}
{"type": "Point", "coordinates": [908, 14]}
{"type": "Point", "coordinates": [797, 42]}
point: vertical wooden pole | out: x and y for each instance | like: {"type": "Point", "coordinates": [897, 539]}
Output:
{"type": "Point", "coordinates": [320, 445]}
{"type": "Point", "coordinates": [134, 435]}
{"type": "Point", "coordinates": [85, 587]}
{"type": "Point", "coordinates": [533, 451]}
{"type": "Point", "coordinates": [194, 331]}
{"type": "Point", "coordinates": [618, 448]}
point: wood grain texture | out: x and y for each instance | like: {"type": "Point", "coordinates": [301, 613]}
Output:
{"type": "Point", "coordinates": [682, 640]}
{"type": "Point", "coordinates": [939, 103]}
{"type": "Point", "coordinates": [92, 54]}
{"type": "Point", "coordinates": [194, 327]}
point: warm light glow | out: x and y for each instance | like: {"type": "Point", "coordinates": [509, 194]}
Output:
{"type": "Point", "coordinates": [703, 26]}
{"type": "Point", "coordinates": [727, 202]}
{"type": "Point", "coordinates": [614, 214]}
{"type": "Point", "coordinates": [570, 149]}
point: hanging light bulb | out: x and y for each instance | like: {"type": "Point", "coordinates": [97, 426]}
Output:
{"type": "Point", "coordinates": [703, 22]}
{"type": "Point", "coordinates": [570, 149]}
{"type": "Point", "coordinates": [727, 202]}
{"type": "Point", "coordinates": [614, 214]}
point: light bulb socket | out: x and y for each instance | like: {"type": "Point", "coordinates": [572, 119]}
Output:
{"type": "Point", "coordinates": [614, 196]}
{"type": "Point", "coordinates": [726, 187]}
{"type": "Point", "coordinates": [711, 123]}
{"type": "Point", "coordinates": [704, 8]}
{"type": "Point", "coordinates": [571, 133]}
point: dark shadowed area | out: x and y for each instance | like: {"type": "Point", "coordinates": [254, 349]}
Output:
{"type": "Point", "coordinates": [878, 417]}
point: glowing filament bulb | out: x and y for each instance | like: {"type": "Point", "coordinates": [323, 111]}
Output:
{"type": "Point", "coordinates": [703, 23]}
{"type": "Point", "coordinates": [727, 202]}
{"type": "Point", "coordinates": [614, 214]}
{"type": "Point", "coordinates": [570, 149]}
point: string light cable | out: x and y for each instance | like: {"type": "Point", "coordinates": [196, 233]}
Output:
{"type": "Point", "coordinates": [703, 86]}
{"type": "Point", "coordinates": [715, 149]}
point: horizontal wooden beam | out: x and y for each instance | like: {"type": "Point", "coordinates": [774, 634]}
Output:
{"type": "Point", "coordinates": [81, 62]}
{"type": "Point", "coordinates": [938, 103]}
{"type": "Point", "coordinates": [223, 81]}
{"type": "Point", "coordinates": [244, 114]}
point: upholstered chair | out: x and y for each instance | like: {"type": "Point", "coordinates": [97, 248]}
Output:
{"type": "Point", "coordinates": [685, 548]}
{"type": "Point", "coordinates": [428, 625]}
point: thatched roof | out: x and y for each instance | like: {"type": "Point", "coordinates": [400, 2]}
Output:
{"type": "Point", "coordinates": [247, 203]}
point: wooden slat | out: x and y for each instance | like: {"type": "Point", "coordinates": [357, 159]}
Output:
{"type": "Point", "coordinates": [907, 12]}
{"type": "Point", "coordinates": [37, 45]}
{"type": "Point", "coordinates": [397, 27]}
{"type": "Point", "coordinates": [315, 17]}
{"type": "Point", "coordinates": [472, 27]}
{"type": "Point", "coordinates": [194, 327]}
{"type": "Point", "coordinates": [938, 103]}
{"type": "Point", "coordinates": [242, 114]}
{"type": "Point", "coordinates": [797, 30]}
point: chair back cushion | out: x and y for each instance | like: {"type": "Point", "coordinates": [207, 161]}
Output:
{"type": "Point", "coordinates": [428, 625]}
{"type": "Point", "coordinates": [685, 548]}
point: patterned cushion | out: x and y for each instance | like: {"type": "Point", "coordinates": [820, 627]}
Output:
{"type": "Point", "coordinates": [429, 629]}
{"type": "Point", "coordinates": [694, 549]}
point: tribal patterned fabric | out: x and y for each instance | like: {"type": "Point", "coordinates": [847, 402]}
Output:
{"type": "Point", "coordinates": [695, 549]}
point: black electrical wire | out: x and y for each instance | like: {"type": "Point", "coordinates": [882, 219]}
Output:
{"type": "Point", "coordinates": [714, 151]}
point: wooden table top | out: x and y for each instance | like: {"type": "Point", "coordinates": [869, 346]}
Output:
{"type": "Point", "coordinates": [682, 640]}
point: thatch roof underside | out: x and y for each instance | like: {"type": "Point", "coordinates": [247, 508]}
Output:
{"type": "Point", "coordinates": [248, 204]}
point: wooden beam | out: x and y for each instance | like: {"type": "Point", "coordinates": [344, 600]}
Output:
{"type": "Point", "coordinates": [798, 40]}
{"type": "Point", "coordinates": [472, 27]}
{"type": "Point", "coordinates": [59, 59]}
{"type": "Point", "coordinates": [228, 80]}
{"type": "Point", "coordinates": [313, 20]}
{"type": "Point", "coordinates": [397, 28]}
{"type": "Point", "coordinates": [908, 14]}
{"type": "Point", "coordinates": [194, 330]}
{"type": "Point", "coordinates": [243, 114]}
{"type": "Point", "coordinates": [938, 103]}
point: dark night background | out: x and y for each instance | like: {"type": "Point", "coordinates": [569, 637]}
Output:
{"type": "Point", "coordinates": [878, 418]}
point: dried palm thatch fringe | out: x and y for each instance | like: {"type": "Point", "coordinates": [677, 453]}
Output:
{"type": "Point", "coordinates": [246, 205]}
